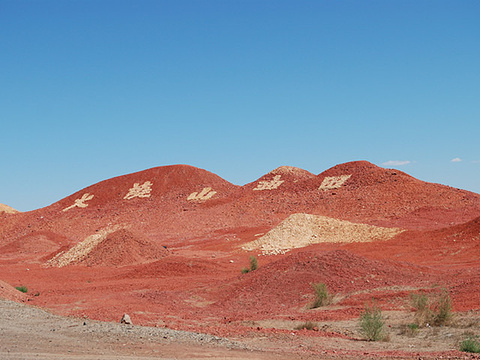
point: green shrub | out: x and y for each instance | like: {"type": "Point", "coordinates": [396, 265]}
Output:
{"type": "Point", "coordinates": [436, 311]}
{"type": "Point", "coordinates": [253, 265]}
{"type": "Point", "coordinates": [372, 323]}
{"type": "Point", "coordinates": [322, 297]}
{"type": "Point", "coordinates": [442, 309]}
{"type": "Point", "coordinates": [309, 325]}
{"type": "Point", "coordinates": [409, 329]}
{"type": "Point", "coordinates": [420, 303]}
{"type": "Point", "coordinates": [470, 344]}
{"type": "Point", "coordinates": [22, 289]}
{"type": "Point", "coordinates": [412, 327]}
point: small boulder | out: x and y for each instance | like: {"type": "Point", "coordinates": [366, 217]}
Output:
{"type": "Point", "coordinates": [126, 320]}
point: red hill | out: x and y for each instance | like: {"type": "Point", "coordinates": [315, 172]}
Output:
{"type": "Point", "coordinates": [163, 202]}
{"type": "Point", "coordinates": [281, 179]}
{"type": "Point", "coordinates": [288, 281]}
{"type": "Point", "coordinates": [360, 192]}
{"type": "Point", "coordinates": [174, 182]}
{"type": "Point", "coordinates": [363, 192]}
{"type": "Point", "coordinates": [181, 205]}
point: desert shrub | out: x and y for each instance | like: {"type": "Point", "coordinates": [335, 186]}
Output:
{"type": "Point", "coordinates": [22, 289]}
{"type": "Point", "coordinates": [412, 327]}
{"type": "Point", "coordinates": [409, 329]}
{"type": "Point", "coordinates": [470, 344]}
{"type": "Point", "coordinates": [322, 297]}
{"type": "Point", "coordinates": [436, 311]}
{"type": "Point", "coordinates": [253, 265]}
{"type": "Point", "coordinates": [308, 325]}
{"type": "Point", "coordinates": [442, 309]}
{"type": "Point", "coordinates": [420, 303]}
{"type": "Point", "coordinates": [372, 323]}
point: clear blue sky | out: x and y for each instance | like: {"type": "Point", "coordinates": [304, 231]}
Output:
{"type": "Point", "coordinates": [94, 89]}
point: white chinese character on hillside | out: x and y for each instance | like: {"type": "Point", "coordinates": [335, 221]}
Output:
{"type": "Point", "coordinates": [141, 191]}
{"type": "Point", "coordinates": [80, 202]}
{"type": "Point", "coordinates": [205, 194]}
{"type": "Point", "coordinates": [270, 185]}
{"type": "Point", "coordinates": [333, 182]}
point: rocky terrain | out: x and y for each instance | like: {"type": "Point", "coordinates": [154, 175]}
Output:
{"type": "Point", "coordinates": [167, 246]}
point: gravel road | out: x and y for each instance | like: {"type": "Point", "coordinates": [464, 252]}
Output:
{"type": "Point", "coordinates": [31, 333]}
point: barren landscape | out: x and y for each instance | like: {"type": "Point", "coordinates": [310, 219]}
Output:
{"type": "Point", "coordinates": [167, 246]}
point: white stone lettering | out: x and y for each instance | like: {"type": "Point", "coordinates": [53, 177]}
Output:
{"type": "Point", "coordinates": [80, 202]}
{"type": "Point", "coordinates": [141, 191]}
{"type": "Point", "coordinates": [205, 194]}
{"type": "Point", "coordinates": [270, 185]}
{"type": "Point", "coordinates": [333, 182]}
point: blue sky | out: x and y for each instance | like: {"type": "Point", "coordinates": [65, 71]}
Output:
{"type": "Point", "coordinates": [90, 90]}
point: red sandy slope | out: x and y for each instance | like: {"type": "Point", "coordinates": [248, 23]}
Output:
{"type": "Point", "coordinates": [10, 293]}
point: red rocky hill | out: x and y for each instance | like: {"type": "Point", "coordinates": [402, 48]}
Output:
{"type": "Point", "coordinates": [390, 197]}
{"type": "Point", "coordinates": [179, 205]}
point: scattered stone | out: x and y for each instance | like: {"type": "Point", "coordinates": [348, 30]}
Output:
{"type": "Point", "coordinates": [126, 320]}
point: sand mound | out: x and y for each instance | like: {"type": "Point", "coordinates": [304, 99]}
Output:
{"type": "Point", "coordinates": [80, 251]}
{"type": "Point", "coordinates": [113, 246]}
{"type": "Point", "coordinates": [123, 247]}
{"type": "Point", "coordinates": [300, 230]}
{"type": "Point", "coordinates": [7, 209]}
{"type": "Point", "coordinates": [10, 293]}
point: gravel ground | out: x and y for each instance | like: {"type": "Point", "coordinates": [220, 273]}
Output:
{"type": "Point", "coordinates": [31, 333]}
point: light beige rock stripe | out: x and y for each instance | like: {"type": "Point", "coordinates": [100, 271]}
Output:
{"type": "Point", "coordinates": [300, 230]}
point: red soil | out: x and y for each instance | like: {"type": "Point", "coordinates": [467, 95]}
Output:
{"type": "Point", "coordinates": [122, 248]}
{"type": "Point", "coordinates": [10, 293]}
{"type": "Point", "coordinates": [287, 283]}
{"type": "Point", "coordinates": [196, 283]}
{"type": "Point", "coordinates": [34, 246]}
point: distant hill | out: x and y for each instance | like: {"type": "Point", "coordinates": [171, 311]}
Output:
{"type": "Point", "coordinates": [7, 209]}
